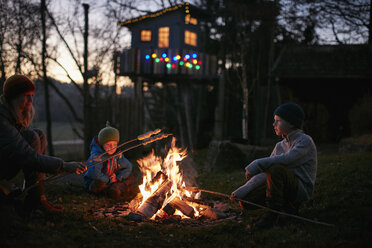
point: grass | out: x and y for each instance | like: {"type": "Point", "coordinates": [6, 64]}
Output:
{"type": "Point", "coordinates": [342, 197]}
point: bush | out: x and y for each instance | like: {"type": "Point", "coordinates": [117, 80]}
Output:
{"type": "Point", "coordinates": [360, 116]}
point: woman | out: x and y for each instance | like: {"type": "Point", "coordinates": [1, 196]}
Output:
{"type": "Point", "coordinates": [23, 148]}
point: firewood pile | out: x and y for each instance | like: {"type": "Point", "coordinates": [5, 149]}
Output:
{"type": "Point", "coordinates": [212, 211]}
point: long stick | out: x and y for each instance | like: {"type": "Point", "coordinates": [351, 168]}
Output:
{"type": "Point", "coordinates": [260, 206]}
{"type": "Point", "coordinates": [139, 138]}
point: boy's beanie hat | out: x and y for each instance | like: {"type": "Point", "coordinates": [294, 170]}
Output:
{"type": "Point", "coordinates": [16, 85]}
{"type": "Point", "coordinates": [292, 113]}
{"type": "Point", "coordinates": [108, 134]}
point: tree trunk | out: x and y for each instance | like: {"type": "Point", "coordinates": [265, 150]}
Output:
{"type": "Point", "coordinates": [244, 85]}
{"type": "Point", "coordinates": [87, 121]}
{"type": "Point", "coordinates": [269, 74]}
{"type": "Point", "coordinates": [2, 69]}
{"type": "Point", "coordinates": [370, 24]}
{"type": "Point", "coordinates": [46, 88]}
{"type": "Point", "coordinates": [19, 51]}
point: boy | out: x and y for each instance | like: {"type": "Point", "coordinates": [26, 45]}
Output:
{"type": "Point", "coordinates": [112, 176]}
{"type": "Point", "coordinates": [286, 178]}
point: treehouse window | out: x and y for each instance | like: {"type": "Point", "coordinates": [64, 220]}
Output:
{"type": "Point", "coordinates": [145, 35]}
{"type": "Point", "coordinates": [190, 38]}
{"type": "Point", "coordinates": [190, 20]}
{"type": "Point", "coordinates": [163, 37]}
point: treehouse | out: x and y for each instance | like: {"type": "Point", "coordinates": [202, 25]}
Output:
{"type": "Point", "coordinates": [172, 73]}
{"type": "Point", "coordinates": [167, 42]}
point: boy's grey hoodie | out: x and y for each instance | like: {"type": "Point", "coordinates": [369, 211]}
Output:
{"type": "Point", "coordinates": [298, 153]}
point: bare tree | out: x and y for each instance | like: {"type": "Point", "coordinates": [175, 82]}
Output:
{"type": "Point", "coordinates": [250, 28]}
{"type": "Point", "coordinates": [333, 21]}
{"type": "Point", "coordinates": [20, 32]}
{"type": "Point", "coordinates": [104, 38]}
{"type": "Point", "coordinates": [45, 79]}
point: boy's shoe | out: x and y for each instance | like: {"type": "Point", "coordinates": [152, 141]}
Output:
{"type": "Point", "coordinates": [34, 202]}
{"type": "Point", "coordinates": [129, 181]}
{"type": "Point", "coordinates": [114, 193]}
{"type": "Point", "coordinates": [50, 208]}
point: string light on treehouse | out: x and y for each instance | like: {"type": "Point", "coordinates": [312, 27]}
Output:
{"type": "Point", "coordinates": [156, 14]}
{"type": "Point", "coordinates": [188, 60]}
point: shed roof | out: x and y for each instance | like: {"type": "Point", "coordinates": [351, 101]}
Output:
{"type": "Point", "coordinates": [325, 61]}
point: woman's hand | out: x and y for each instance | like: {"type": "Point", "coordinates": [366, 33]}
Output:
{"type": "Point", "coordinates": [74, 167]}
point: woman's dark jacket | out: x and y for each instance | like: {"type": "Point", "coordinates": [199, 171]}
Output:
{"type": "Point", "coordinates": [17, 154]}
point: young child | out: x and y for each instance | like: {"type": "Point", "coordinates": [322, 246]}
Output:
{"type": "Point", "coordinates": [112, 176]}
{"type": "Point", "coordinates": [285, 179]}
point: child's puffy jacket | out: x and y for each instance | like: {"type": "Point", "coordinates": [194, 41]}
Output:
{"type": "Point", "coordinates": [102, 171]}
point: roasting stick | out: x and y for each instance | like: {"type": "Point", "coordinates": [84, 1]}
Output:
{"type": "Point", "coordinates": [139, 138]}
{"type": "Point", "coordinates": [144, 138]}
{"type": "Point", "coordinates": [260, 206]}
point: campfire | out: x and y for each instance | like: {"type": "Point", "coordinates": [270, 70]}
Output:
{"type": "Point", "coordinates": [164, 194]}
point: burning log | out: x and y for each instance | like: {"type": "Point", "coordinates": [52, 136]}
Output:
{"type": "Point", "coordinates": [214, 214]}
{"type": "Point", "coordinates": [154, 203]}
{"type": "Point", "coordinates": [187, 210]}
{"type": "Point", "coordinates": [198, 205]}
{"type": "Point", "coordinates": [169, 210]}
{"type": "Point", "coordinates": [135, 203]}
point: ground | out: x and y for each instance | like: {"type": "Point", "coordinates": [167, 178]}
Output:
{"type": "Point", "coordinates": [342, 197]}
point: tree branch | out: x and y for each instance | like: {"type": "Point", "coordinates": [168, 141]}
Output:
{"type": "Point", "coordinates": [68, 75]}
{"type": "Point", "coordinates": [65, 42]}
{"type": "Point", "coordinates": [72, 109]}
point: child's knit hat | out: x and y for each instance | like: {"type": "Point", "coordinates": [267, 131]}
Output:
{"type": "Point", "coordinates": [292, 113]}
{"type": "Point", "coordinates": [108, 134]}
{"type": "Point", "coordinates": [16, 85]}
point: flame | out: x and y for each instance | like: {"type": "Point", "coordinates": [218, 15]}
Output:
{"type": "Point", "coordinates": [151, 165]}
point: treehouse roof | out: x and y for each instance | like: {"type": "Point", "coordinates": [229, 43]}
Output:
{"type": "Point", "coordinates": [184, 6]}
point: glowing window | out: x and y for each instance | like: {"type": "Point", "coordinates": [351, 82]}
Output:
{"type": "Point", "coordinates": [190, 38]}
{"type": "Point", "coordinates": [163, 37]}
{"type": "Point", "coordinates": [145, 35]}
{"type": "Point", "coordinates": [187, 19]}
{"type": "Point", "coordinates": [191, 20]}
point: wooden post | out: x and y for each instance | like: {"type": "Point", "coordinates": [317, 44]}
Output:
{"type": "Point", "coordinates": [179, 115]}
{"type": "Point", "coordinates": [139, 105]}
{"type": "Point", "coordinates": [199, 108]}
{"type": "Point", "coordinates": [186, 103]}
{"type": "Point", "coordinates": [219, 113]}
